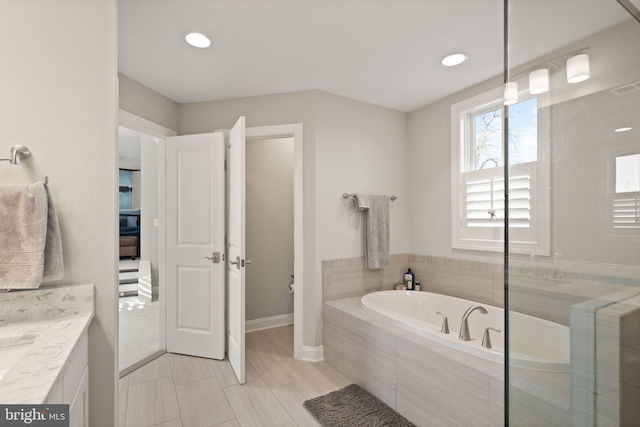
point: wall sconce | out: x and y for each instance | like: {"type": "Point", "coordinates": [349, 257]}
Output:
{"type": "Point", "coordinates": [510, 93]}
{"type": "Point", "coordinates": [539, 81]}
{"type": "Point", "coordinates": [578, 68]}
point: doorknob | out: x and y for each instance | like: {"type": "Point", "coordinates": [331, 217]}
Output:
{"type": "Point", "coordinates": [236, 262]}
{"type": "Point", "coordinates": [214, 258]}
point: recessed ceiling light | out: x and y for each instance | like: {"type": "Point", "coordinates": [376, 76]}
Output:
{"type": "Point", "coordinates": [198, 40]}
{"type": "Point", "coordinates": [624, 129]}
{"type": "Point", "coordinates": [454, 59]}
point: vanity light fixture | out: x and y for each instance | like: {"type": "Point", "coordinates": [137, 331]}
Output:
{"type": "Point", "coordinates": [578, 68]}
{"type": "Point", "coordinates": [539, 81]}
{"type": "Point", "coordinates": [198, 40]}
{"type": "Point", "coordinates": [510, 93]}
{"type": "Point", "coordinates": [623, 129]}
{"type": "Point", "coordinates": [454, 59]}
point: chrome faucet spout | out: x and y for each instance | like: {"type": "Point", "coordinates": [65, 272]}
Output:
{"type": "Point", "coordinates": [464, 326]}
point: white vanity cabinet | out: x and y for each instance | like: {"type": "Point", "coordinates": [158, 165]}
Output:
{"type": "Point", "coordinates": [72, 385]}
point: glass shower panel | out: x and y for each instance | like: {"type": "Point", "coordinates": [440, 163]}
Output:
{"type": "Point", "coordinates": [574, 301]}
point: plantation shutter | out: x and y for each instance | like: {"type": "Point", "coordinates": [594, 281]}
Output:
{"type": "Point", "coordinates": [625, 211]}
{"type": "Point", "coordinates": [485, 201]}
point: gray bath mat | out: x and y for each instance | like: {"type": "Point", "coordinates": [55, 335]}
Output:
{"type": "Point", "coordinates": [352, 407]}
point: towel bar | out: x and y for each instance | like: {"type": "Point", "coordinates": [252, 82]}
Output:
{"type": "Point", "coordinates": [347, 195]}
{"type": "Point", "coordinates": [18, 152]}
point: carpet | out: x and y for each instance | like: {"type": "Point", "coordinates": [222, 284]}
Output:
{"type": "Point", "coordinates": [352, 406]}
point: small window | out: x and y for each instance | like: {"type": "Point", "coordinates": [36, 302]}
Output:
{"type": "Point", "coordinates": [478, 175]}
{"type": "Point", "coordinates": [625, 205]}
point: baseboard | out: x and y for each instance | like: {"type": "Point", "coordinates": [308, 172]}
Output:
{"type": "Point", "coordinates": [268, 322]}
{"type": "Point", "coordinates": [312, 354]}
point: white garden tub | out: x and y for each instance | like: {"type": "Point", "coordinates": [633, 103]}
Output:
{"type": "Point", "coordinates": [535, 343]}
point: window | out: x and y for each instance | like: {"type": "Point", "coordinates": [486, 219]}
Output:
{"type": "Point", "coordinates": [478, 175]}
{"type": "Point", "coordinates": [625, 203]}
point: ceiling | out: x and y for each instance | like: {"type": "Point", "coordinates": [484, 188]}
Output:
{"type": "Point", "coordinates": [385, 52]}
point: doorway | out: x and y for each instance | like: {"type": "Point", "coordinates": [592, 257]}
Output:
{"type": "Point", "coordinates": [270, 233]}
{"type": "Point", "coordinates": [141, 302]}
{"type": "Point", "coordinates": [293, 132]}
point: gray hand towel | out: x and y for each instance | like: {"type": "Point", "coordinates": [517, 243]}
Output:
{"type": "Point", "coordinates": [27, 217]}
{"type": "Point", "coordinates": [376, 231]}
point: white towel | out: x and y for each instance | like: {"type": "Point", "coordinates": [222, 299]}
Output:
{"type": "Point", "coordinates": [376, 230]}
{"type": "Point", "coordinates": [30, 244]}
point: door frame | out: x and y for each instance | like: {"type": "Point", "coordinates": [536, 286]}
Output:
{"type": "Point", "coordinates": [295, 131]}
{"type": "Point", "coordinates": [139, 124]}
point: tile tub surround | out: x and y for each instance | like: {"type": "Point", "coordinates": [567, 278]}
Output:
{"type": "Point", "coordinates": [348, 277]}
{"type": "Point", "coordinates": [540, 287]}
{"type": "Point", "coordinates": [605, 381]}
{"type": "Point", "coordinates": [423, 380]}
{"type": "Point", "coordinates": [52, 319]}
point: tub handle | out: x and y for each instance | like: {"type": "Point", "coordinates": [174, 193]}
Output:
{"type": "Point", "coordinates": [445, 323]}
{"type": "Point", "coordinates": [486, 340]}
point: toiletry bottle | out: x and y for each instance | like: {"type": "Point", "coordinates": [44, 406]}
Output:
{"type": "Point", "coordinates": [408, 280]}
{"type": "Point", "coordinates": [417, 287]}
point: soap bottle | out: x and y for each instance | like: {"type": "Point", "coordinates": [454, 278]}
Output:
{"type": "Point", "coordinates": [409, 279]}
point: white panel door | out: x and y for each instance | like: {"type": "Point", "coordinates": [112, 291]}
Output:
{"type": "Point", "coordinates": [236, 249]}
{"type": "Point", "coordinates": [195, 245]}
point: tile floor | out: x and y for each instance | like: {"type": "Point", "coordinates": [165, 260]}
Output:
{"type": "Point", "coordinates": [183, 391]}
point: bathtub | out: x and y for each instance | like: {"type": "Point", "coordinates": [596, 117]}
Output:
{"type": "Point", "coordinates": [535, 343]}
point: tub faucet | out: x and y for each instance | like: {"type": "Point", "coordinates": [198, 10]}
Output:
{"type": "Point", "coordinates": [445, 323]}
{"type": "Point", "coordinates": [464, 327]}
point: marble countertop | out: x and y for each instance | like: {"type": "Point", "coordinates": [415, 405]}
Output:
{"type": "Point", "coordinates": [51, 320]}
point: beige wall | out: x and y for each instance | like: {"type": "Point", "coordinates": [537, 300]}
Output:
{"type": "Point", "coordinates": [429, 166]}
{"type": "Point", "coordinates": [59, 98]}
{"type": "Point", "coordinates": [349, 146]}
{"type": "Point", "coordinates": [582, 118]}
{"type": "Point", "coordinates": [269, 219]}
{"type": "Point", "coordinates": [273, 110]}
{"type": "Point", "coordinates": [147, 103]}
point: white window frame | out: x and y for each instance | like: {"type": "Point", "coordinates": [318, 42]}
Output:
{"type": "Point", "coordinates": [535, 239]}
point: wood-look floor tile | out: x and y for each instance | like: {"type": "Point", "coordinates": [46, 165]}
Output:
{"type": "Point", "coordinates": [274, 369]}
{"type": "Point", "coordinates": [255, 405]}
{"type": "Point", "coordinates": [281, 339]}
{"type": "Point", "coordinates": [151, 402]}
{"type": "Point", "coordinates": [203, 403]}
{"type": "Point", "coordinates": [172, 423]}
{"type": "Point", "coordinates": [232, 423]}
{"type": "Point", "coordinates": [186, 369]}
{"type": "Point", "coordinates": [156, 369]}
{"type": "Point", "coordinates": [224, 372]}
{"type": "Point", "coordinates": [322, 375]}
{"type": "Point", "coordinates": [123, 388]}
{"type": "Point", "coordinates": [293, 395]}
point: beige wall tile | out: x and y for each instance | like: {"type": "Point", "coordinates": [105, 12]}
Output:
{"type": "Point", "coordinates": [461, 392]}
{"type": "Point", "coordinates": [496, 403]}
{"type": "Point", "coordinates": [421, 412]}
{"type": "Point", "coordinates": [473, 285]}
{"type": "Point", "coordinates": [525, 411]}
